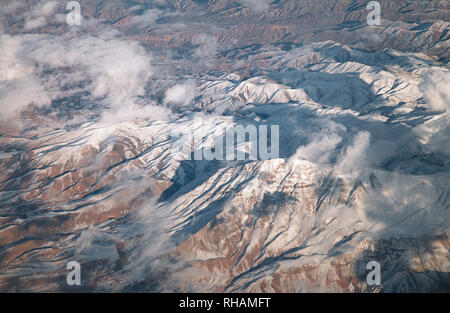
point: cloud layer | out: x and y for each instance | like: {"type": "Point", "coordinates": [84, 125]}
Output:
{"type": "Point", "coordinates": [38, 69]}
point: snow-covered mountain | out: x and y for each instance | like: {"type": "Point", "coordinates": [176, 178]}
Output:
{"type": "Point", "coordinates": [91, 167]}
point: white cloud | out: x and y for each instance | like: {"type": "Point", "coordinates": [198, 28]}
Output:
{"type": "Point", "coordinates": [114, 71]}
{"type": "Point", "coordinates": [131, 112]}
{"type": "Point", "coordinates": [150, 243]}
{"type": "Point", "coordinates": [354, 160]}
{"type": "Point", "coordinates": [257, 6]}
{"type": "Point", "coordinates": [12, 66]}
{"type": "Point", "coordinates": [46, 8]}
{"type": "Point", "coordinates": [31, 24]}
{"type": "Point", "coordinates": [318, 151]}
{"type": "Point", "coordinates": [207, 46]}
{"type": "Point", "coordinates": [407, 205]}
{"type": "Point", "coordinates": [19, 86]}
{"type": "Point", "coordinates": [17, 96]}
{"type": "Point", "coordinates": [435, 87]}
{"type": "Point", "coordinates": [9, 6]}
{"type": "Point", "coordinates": [148, 18]}
{"type": "Point", "coordinates": [323, 144]}
{"type": "Point", "coordinates": [181, 94]}
{"type": "Point", "coordinates": [39, 16]}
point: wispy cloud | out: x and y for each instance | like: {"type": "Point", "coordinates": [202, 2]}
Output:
{"type": "Point", "coordinates": [256, 6]}
{"type": "Point", "coordinates": [435, 87]}
{"type": "Point", "coordinates": [180, 94]}
{"type": "Point", "coordinates": [40, 15]}
{"type": "Point", "coordinates": [146, 19]}
{"type": "Point", "coordinates": [114, 71]}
